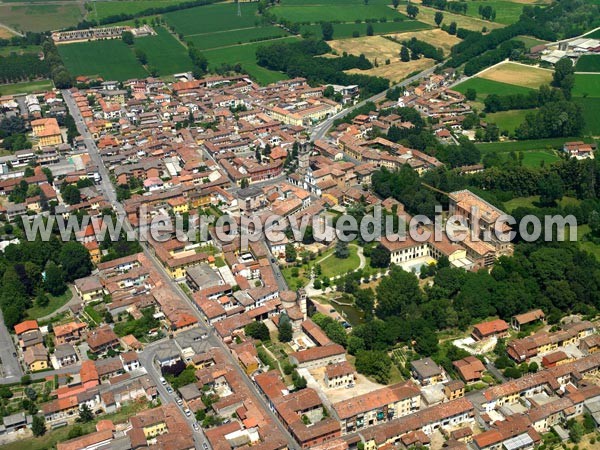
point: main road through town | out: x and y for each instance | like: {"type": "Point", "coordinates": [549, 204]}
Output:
{"type": "Point", "coordinates": [110, 194]}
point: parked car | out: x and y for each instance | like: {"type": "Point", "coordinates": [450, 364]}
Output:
{"type": "Point", "coordinates": [196, 426]}
{"type": "Point", "coordinates": [163, 381]}
{"type": "Point", "coordinates": [187, 412]}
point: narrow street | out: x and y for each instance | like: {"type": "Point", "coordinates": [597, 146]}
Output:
{"type": "Point", "coordinates": [110, 193]}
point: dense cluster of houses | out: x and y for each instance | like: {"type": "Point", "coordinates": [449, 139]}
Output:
{"type": "Point", "coordinates": [211, 145]}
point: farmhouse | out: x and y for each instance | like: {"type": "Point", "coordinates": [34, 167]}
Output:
{"type": "Point", "coordinates": [494, 328]}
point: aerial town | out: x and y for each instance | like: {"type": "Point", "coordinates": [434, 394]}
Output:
{"type": "Point", "coordinates": [291, 225]}
{"type": "Point", "coordinates": [183, 344]}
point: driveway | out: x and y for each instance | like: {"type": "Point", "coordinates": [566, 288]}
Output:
{"type": "Point", "coordinates": [10, 367]}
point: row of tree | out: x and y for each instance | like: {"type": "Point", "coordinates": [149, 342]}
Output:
{"type": "Point", "coordinates": [301, 59]}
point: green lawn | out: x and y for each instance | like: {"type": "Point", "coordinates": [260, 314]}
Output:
{"type": "Point", "coordinates": [530, 41]}
{"type": "Point", "coordinates": [587, 85]}
{"type": "Point", "coordinates": [165, 52]}
{"type": "Point", "coordinates": [104, 9]}
{"type": "Point", "coordinates": [333, 266]}
{"type": "Point", "coordinates": [246, 56]}
{"type": "Point", "coordinates": [110, 59]}
{"type": "Point", "coordinates": [228, 38]}
{"type": "Point", "coordinates": [506, 12]}
{"type": "Point", "coordinates": [26, 87]}
{"type": "Point", "coordinates": [346, 30]}
{"type": "Point", "coordinates": [588, 246]}
{"type": "Point", "coordinates": [508, 120]}
{"type": "Point", "coordinates": [34, 17]}
{"type": "Point", "coordinates": [591, 114]}
{"type": "Point", "coordinates": [486, 87]}
{"type": "Point", "coordinates": [588, 63]}
{"type": "Point", "coordinates": [207, 19]}
{"type": "Point", "coordinates": [519, 146]}
{"type": "Point", "coordinates": [340, 13]}
{"type": "Point", "coordinates": [93, 314]}
{"type": "Point", "coordinates": [536, 159]}
{"type": "Point", "coordinates": [530, 202]}
{"type": "Point", "coordinates": [35, 312]}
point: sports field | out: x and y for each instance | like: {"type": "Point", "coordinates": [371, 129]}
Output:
{"type": "Point", "coordinates": [207, 19]}
{"type": "Point", "coordinates": [228, 38]}
{"type": "Point", "coordinates": [246, 56]}
{"type": "Point", "coordinates": [586, 85]}
{"type": "Point", "coordinates": [102, 9]}
{"type": "Point", "coordinates": [486, 87]}
{"type": "Point", "coordinates": [588, 63]}
{"type": "Point", "coordinates": [165, 53]}
{"type": "Point", "coordinates": [508, 120]}
{"type": "Point", "coordinates": [340, 13]}
{"type": "Point", "coordinates": [506, 12]}
{"type": "Point", "coordinates": [39, 18]}
{"type": "Point", "coordinates": [110, 59]}
{"type": "Point", "coordinates": [518, 74]}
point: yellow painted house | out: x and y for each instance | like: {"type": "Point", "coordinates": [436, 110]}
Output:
{"type": "Point", "coordinates": [155, 429]}
{"type": "Point", "coordinates": [179, 205]}
{"type": "Point", "coordinates": [47, 132]}
{"type": "Point", "coordinates": [36, 358]}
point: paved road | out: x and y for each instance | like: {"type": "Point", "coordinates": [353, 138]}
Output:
{"type": "Point", "coordinates": [10, 369]}
{"type": "Point", "coordinates": [491, 368]}
{"type": "Point", "coordinates": [147, 360]}
{"type": "Point", "coordinates": [320, 130]}
{"type": "Point", "coordinates": [110, 193]}
{"type": "Point", "coordinates": [73, 301]}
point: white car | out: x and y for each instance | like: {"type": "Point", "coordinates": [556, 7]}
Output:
{"type": "Point", "coordinates": [179, 401]}
{"type": "Point", "coordinates": [187, 412]}
{"type": "Point", "coordinates": [196, 426]}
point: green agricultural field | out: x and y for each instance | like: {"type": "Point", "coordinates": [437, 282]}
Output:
{"type": "Point", "coordinates": [594, 35]}
{"type": "Point", "coordinates": [345, 30]}
{"type": "Point", "coordinates": [110, 59]}
{"type": "Point", "coordinates": [26, 88]}
{"type": "Point", "coordinates": [165, 53]}
{"type": "Point", "coordinates": [245, 55]}
{"type": "Point", "coordinates": [508, 120]}
{"type": "Point", "coordinates": [102, 9]}
{"type": "Point", "coordinates": [591, 114]}
{"type": "Point", "coordinates": [506, 12]}
{"type": "Point", "coordinates": [340, 13]}
{"type": "Point", "coordinates": [211, 18]}
{"type": "Point", "coordinates": [586, 85]}
{"type": "Point", "coordinates": [6, 51]}
{"type": "Point", "coordinates": [337, 2]}
{"type": "Point", "coordinates": [588, 63]}
{"type": "Point", "coordinates": [39, 18]}
{"type": "Point", "coordinates": [486, 87]}
{"type": "Point", "coordinates": [228, 38]}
